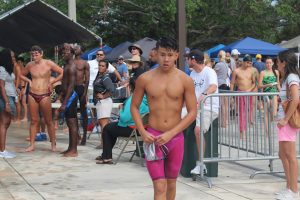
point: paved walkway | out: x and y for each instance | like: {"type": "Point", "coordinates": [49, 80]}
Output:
{"type": "Point", "coordinates": [45, 175]}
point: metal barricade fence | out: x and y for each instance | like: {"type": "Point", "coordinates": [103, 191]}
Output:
{"type": "Point", "coordinates": [246, 129]}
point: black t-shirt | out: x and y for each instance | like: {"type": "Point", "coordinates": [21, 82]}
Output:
{"type": "Point", "coordinates": [135, 73]}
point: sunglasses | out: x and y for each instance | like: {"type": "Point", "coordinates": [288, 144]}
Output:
{"type": "Point", "coordinates": [98, 54]}
{"type": "Point", "coordinates": [133, 48]}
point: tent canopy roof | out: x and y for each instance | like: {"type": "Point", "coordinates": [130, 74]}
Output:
{"type": "Point", "coordinates": [252, 46]}
{"type": "Point", "coordinates": [37, 23]}
{"type": "Point", "coordinates": [91, 54]}
{"type": "Point", "coordinates": [292, 43]}
{"type": "Point", "coordinates": [146, 44]}
{"type": "Point", "coordinates": [215, 48]}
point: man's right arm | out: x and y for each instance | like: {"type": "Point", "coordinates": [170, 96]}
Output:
{"type": "Point", "coordinates": [233, 79]}
{"type": "Point", "coordinates": [134, 109]}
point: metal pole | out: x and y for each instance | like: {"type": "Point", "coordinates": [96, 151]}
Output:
{"type": "Point", "coordinates": [72, 9]}
{"type": "Point", "coordinates": [181, 24]}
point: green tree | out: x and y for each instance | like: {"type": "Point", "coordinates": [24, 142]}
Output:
{"type": "Point", "coordinates": [208, 22]}
{"type": "Point", "coordinates": [288, 14]}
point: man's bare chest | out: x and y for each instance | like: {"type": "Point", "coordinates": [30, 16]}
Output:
{"type": "Point", "coordinates": [40, 71]}
{"type": "Point", "coordinates": [164, 90]}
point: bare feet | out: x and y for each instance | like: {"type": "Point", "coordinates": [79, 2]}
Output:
{"type": "Point", "coordinates": [53, 146]}
{"type": "Point", "coordinates": [29, 149]}
{"type": "Point", "coordinates": [70, 154]}
{"type": "Point", "coordinates": [24, 120]}
{"type": "Point", "coordinates": [66, 151]}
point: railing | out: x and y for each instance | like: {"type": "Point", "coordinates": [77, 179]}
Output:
{"type": "Point", "coordinates": [246, 130]}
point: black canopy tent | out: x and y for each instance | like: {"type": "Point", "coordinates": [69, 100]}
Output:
{"type": "Point", "coordinates": [37, 23]}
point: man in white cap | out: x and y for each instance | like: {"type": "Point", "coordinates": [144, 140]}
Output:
{"type": "Point", "coordinates": [234, 58]}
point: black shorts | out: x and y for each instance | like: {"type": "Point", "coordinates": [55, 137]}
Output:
{"type": "Point", "coordinates": [71, 111]}
{"type": "Point", "coordinates": [79, 89]}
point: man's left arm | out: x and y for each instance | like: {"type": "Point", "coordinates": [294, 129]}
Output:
{"type": "Point", "coordinates": [57, 69]}
{"type": "Point", "coordinates": [254, 80]}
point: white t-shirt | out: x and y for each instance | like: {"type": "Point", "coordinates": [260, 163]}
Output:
{"type": "Point", "coordinates": [9, 79]}
{"type": "Point", "coordinates": [202, 81]}
{"type": "Point", "coordinates": [292, 79]}
{"type": "Point", "coordinates": [94, 71]}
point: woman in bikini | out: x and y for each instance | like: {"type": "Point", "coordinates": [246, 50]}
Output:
{"type": "Point", "coordinates": [39, 93]}
{"type": "Point", "coordinates": [268, 81]}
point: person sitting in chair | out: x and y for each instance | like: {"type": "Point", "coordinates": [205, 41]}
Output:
{"type": "Point", "coordinates": [121, 128]}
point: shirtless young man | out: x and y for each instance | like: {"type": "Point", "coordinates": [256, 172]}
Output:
{"type": "Point", "coordinates": [245, 79]}
{"type": "Point", "coordinates": [69, 99]}
{"type": "Point", "coordinates": [39, 93]}
{"type": "Point", "coordinates": [17, 72]}
{"type": "Point", "coordinates": [81, 87]}
{"type": "Point", "coordinates": [167, 89]}
{"type": "Point", "coordinates": [22, 85]}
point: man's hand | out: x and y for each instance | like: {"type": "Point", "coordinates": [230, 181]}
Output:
{"type": "Point", "coordinates": [62, 108]}
{"type": "Point", "coordinates": [7, 108]}
{"type": "Point", "coordinates": [84, 97]}
{"type": "Point", "coordinates": [163, 138]}
{"type": "Point", "coordinates": [148, 138]}
{"type": "Point", "coordinates": [50, 87]}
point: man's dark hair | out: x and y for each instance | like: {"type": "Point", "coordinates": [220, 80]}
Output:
{"type": "Point", "coordinates": [197, 55]}
{"type": "Point", "coordinates": [167, 43]}
{"type": "Point", "coordinates": [36, 48]}
{"type": "Point", "coordinates": [6, 60]}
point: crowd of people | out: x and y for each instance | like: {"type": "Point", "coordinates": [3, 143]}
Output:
{"type": "Point", "coordinates": [156, 87]}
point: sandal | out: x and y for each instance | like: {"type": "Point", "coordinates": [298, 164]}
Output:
{"type": "Point", "coordinates": [105, 161]}
{"type": "Point", "coordinates": [98, 158]}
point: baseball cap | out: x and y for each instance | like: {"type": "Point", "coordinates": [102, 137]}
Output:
{"type": "Point", "coordinates": [258, 56]}
{"type": "Point", "coordinates": [235, 52]}
{"type": "Point", "coordinates": [197, 55]}
{"type": "Point", "coordinates": [121, 57]}
{"type": "Point", "coordinates": [247, 57]}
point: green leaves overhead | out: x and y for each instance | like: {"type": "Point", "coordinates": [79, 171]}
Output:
{"type": "Point", "coordinates": [208, 22]}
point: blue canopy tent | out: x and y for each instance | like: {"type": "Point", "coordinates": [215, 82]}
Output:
{"type": "Point", "coordinates": [252, 46]}
{"type": "Point", "coordinates": [215, 48]}
{"type": "Point", "coordinates": [91, 54]}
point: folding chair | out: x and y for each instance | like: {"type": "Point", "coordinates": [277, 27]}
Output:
{"type": "Point", "coordinates": [135, 137]}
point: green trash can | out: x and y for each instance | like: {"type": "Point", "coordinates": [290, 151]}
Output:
{"type": "Point", "coordinates": [212, 168]}
{"type": "Point", "coordinates": [190, 151]}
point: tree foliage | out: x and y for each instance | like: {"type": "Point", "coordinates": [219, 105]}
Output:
{"type": "Point", "coordinates": [208, 22]}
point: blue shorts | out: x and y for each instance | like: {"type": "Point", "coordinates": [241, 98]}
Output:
{"type": "Point", "coordinates": [11, 103]}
